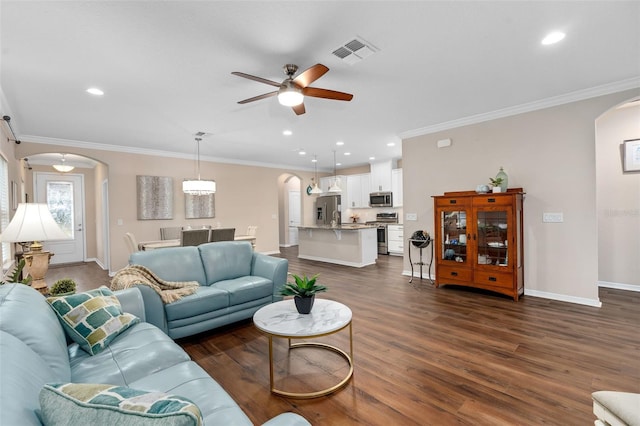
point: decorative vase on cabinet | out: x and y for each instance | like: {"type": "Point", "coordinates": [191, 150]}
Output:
{"type": "Point", "coordinates": [479, 241]}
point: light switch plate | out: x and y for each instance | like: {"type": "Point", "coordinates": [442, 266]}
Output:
{"type": "Point", "coordinates": [411, 216]}
{"type": "Point", "coordinates": [552, 217]}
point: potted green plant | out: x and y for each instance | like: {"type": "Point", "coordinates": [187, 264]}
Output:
{"type": "Point", "coordinates": [63, 287]}
{"type": "Point", "coordinates": [495, 183]}
{"type": "Point", "coordinates": [14, 277]}
{"type": "Point", "coordinates": [303, 290]}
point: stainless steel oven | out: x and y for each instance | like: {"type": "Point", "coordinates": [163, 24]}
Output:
{"type": "Point", "coordinates": [382, 220]}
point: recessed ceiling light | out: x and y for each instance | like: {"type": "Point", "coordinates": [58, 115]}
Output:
{"type": "Point", "coordinates": [553, 37]}
{"type": "Point", "coordinates": [372, 158]}
{"type": "Point", "coordinates": [95, 91]}
{"type": "Point", "coordinates": [347, 153]}
{"type": "Point", "coordinates": [287, 132]}
{"type": "Point", "coordinates": [391, 144]}
{"type": "Point", "coordinates": [302, 152]}
{"type": "Point", "coordinates": [315, 160]}
{"type": "Point", "coordinates": [338, 164]}
{"type": "Point", "coordinates": [339, 143]}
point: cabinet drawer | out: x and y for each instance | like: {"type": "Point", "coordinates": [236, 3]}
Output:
{"type": "Point", "coordinates": [394, 234]}
{"type": "Point", "coordinates": [492, 200]}
{"type": "Point", "coordinates": [453, 273]}
{"type": "Point", "coordinates": [494, 279]}
{"type": "Point", "coordinates": [452, 202]}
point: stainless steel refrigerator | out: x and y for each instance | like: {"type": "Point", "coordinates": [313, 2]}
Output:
{"type": "Point", "coordinates": [327, 209]}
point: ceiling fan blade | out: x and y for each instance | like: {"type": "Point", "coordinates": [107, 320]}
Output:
{"type": "Point", "coordinates": [254, 78]}
{"type": "Point", "coordinates": [326, 94]}
{"type": "Point", "coordinates": [299, 109]}
{"type": "Point", "coordinates": [310, 75]}
{"type": "Point", "coordinates": [257, 98]}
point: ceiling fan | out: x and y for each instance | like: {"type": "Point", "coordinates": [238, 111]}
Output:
{"type": "Point", "coordinates": [291, 91]}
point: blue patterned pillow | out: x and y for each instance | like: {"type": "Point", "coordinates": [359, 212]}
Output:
{"type": "Point", "coordinates": [92, 319]}
{"type": "Point", "coordinates": [92, 404]}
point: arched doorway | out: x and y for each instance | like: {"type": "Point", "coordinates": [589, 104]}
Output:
{"type": "Point", "coordinates": [617, 199]}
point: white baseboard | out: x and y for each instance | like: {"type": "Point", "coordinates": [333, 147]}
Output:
{"type": "Point", "coordinates": [619, 286]}
{"type": "Point", "coordinates": [416, 274]}
{"type": "Point", "coordinates": [563, 298]}
{"type": "Point", "coordinates": [97, 261]}
{"type": "Point", "coordinates": [270, 252]}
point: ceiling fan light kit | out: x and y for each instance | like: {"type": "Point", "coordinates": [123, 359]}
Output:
{"type": "Point", "coordinates": [198, 186]}
{"type": "Point", "coordinates": [291, 91]}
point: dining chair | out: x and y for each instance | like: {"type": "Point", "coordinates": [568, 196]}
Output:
{"type": "Point", "coordinates": [194, 237]}
{"type": "Point", "coordinates": [222, 234]}
{"type": "Point", "coordinates": [132, 244]}
{"type": "Point", "coordinates": [170, 233]}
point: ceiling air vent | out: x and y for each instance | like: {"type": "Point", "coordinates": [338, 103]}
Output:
{"type": "Point", "coordinates": [354, 51]}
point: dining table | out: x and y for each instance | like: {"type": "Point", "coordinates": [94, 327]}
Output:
{"type": "Point", "coordinates": [158, 244]}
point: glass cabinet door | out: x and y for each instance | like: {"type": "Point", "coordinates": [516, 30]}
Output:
{"type": "Point", "coordinates": [453, 234]}
{"type": "Point", "coordinates": [492, 229]}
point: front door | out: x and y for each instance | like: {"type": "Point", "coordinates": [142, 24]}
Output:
{"type": "Point", "coordinates": [64, 194]}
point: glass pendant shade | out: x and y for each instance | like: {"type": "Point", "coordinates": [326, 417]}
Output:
{"type": "Point", "coordinates": [335, 187]}
{"type": "Point", "coordinates": [315, 189]}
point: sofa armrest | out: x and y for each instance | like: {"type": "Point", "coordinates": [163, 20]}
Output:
{"type": "Point", "coordinates": [131, 301]}
{"type": "Point", "coordinates": [273, 268]}
{"type": "Point", "coordinates": [153, 307]}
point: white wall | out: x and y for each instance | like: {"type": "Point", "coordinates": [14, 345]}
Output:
{"type": "Point", "coordinates": [551, 154]}
{"type": "Point", "coordinates": [618, 201]}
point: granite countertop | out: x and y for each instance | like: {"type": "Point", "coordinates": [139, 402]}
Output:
{"type": "Point", "coordinates": [343, 227]}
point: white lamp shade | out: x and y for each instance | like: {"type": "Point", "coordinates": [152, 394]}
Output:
{"type": "Point", "coordinates": [315, 189]}
{"type": "Point", "coordinates": [199, 187]}
{"type": "Point", "coordinates": [33, 222]}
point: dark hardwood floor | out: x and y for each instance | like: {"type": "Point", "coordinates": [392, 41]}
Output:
{"type": "Point", "coordinates": [428, 356]}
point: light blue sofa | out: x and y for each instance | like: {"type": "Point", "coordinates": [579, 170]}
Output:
{"type": "Point", "coordinates": [34, 351]}
{"type": "Point", "coordinates": [234, 282]}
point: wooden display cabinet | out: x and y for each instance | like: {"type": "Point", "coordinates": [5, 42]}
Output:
{"type": "Point", "coordinates": [479, 240]}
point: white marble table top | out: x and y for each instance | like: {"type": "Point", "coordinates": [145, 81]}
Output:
{"type": "Point", "coordinates": [283, 320]}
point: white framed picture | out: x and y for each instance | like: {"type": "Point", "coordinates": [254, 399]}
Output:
{"type": "Point", "coordinates": [631, 156]}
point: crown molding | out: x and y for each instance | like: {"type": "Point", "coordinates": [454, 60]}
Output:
{"type": "Point", "coordinates": [578, 95]}
{"type": "Point", "coordinates": [152, 152]}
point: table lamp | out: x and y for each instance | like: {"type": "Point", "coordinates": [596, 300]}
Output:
{"type": "Point", "coordinates": [34, 223]}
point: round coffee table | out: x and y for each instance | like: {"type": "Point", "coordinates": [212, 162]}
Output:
{"type": "Point", "coordinates": [281, 319]}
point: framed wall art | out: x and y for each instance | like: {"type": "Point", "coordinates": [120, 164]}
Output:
{"type": "Point", "coordinates": [631, 156]}
{"type": "Point", "coordinates": [199, 206]}
{"type": "Point", "coordinates": [155, 197]}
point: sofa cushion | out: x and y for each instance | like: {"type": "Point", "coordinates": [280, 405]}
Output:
{"type": "Point", "coordinates": [24, 313]}
{"type": "Point", "coordinates": [172, 263]}
{"type": "Point", "coordinates": [24, 372]}
{"type": "Point", "coordinates": [245, 289]}
{"type": "Point", "coordinates": [139, 351]}
{"type": "Point", "coordinates": [92, 319]}
{"type": "Point", "coordinates": [206, 299]}
{"type": "Point", "coordinates": [87, 404]}
{"type": "Point", "coordinates": [226, 260]}
{"type": "Point", "coordinates": [191, 381]}
{"type": "Point", "coordinates": [617, 408]}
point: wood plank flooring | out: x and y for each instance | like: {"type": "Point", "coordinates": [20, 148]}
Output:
{"type": "Point", "coordinates": [426, 356]}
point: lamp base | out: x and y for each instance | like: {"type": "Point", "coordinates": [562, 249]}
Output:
{"type": "Point", "coordinates": [37, 265]}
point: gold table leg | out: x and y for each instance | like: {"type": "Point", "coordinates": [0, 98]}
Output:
{"type": "Point", "coordinates": [307, 395]}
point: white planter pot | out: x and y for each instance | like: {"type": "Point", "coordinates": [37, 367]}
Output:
{"type": "Point", "coordinates": [496, 189]}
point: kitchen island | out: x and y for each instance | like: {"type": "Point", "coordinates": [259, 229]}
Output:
{"type": "Point", "coordinates": [351, 245]}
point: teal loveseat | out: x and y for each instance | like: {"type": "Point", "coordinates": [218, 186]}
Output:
{"type": "Point", "coordinates": [34, 352]}
{"type": "Point", "coordinates": [234, 283]}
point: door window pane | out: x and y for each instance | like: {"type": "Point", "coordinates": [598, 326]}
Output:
{"type": "Point", "coordinates": [454, 235]}
{"type": "Point", "coordinates": [60, 202]}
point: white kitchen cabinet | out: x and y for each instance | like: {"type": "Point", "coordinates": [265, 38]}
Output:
{"type": "Point", "coordinates": [358, 188]}
{"type": "Point", "coordinates": [395, 239]}
{"type": "Point", "coordinates": [381, 176]}
{"type": "Point", "coordinates": [396, 187]}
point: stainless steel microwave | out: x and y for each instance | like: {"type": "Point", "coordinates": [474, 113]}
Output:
{"type": "Point", "coordinates": [381, 199]}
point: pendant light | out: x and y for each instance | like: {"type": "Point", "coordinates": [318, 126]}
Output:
{"type": "Point", "coordinates": [335, 188]}
{"type": "Point", "coordinates": [63, 167]}
{"type": "Point", "coordinates": [315, 189]}
{"type": "Point", "coordinates": [198, 186]}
